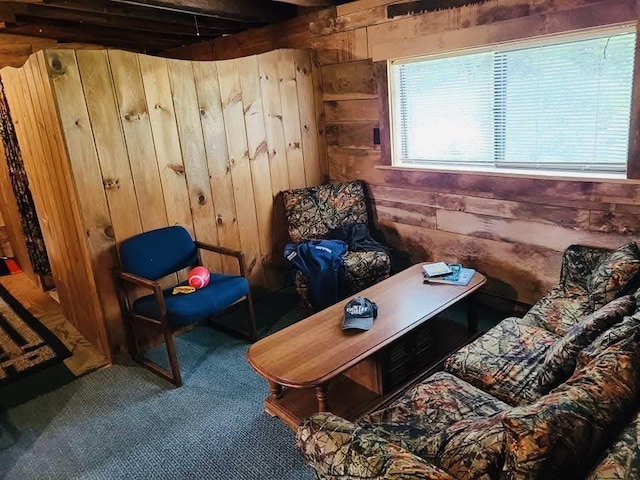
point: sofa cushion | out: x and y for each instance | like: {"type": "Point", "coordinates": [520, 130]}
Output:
{"type": "Point", "coordinates": [418, 419]}
{"type": "Point", "coordinates": [560, 360]}
{"type": "Point", "coordinates": [473, 448]}
{"type": "Point", "coordinates": [336, 448]}
{"type": "Point", "coordinates": [621, 461]}
{"type": "Point", "coordinates": [312, 212]}
{"type": "Point", "coordinates": [628, 327]}
{"type": "Point", "coordinates": [560, 309]}
{"type": "Point", "coordinates": [613, 275]}
{"type": "Point", "coordinates": [578, 263]}
{"type": "Point", "coordinates": [505, 361]}
{"type": "Point", "coordinates": [363, 269]}
{"type": "Point", "coordinates": [559, 435]}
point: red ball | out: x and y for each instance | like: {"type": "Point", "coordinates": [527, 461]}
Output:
{"type": "Point", "coordinates": [199, 277]}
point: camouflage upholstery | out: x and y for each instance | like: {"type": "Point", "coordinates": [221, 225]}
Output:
{"type": "Point", "coordinates": [560, 361]}
{"type": "Point", "coordinates": [494, 412]}
{"type": "Point", "coordinates": [338, 448]}
{"type": "Point", "coordinates": [589, 279]}
{"type": "Point", "coordinates": [451, 425]}
{"type": "Point", "coordinates": [621, 461]}
{"type": "Point", "coordinates": [312, 212]}
{"type": "Point", "coordinates": [505, 361]}
{"type": "Point", "coordinates": [521, 359]}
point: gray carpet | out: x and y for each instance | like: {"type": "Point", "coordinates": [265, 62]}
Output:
{"type": "Point", "coordinates": [124, 422]}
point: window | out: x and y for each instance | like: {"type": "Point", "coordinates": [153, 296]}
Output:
{"type": "Point", "coordinates": [554, 106]}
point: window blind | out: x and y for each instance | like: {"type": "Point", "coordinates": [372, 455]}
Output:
{"type": "Point", "coordinates": [554, 106]}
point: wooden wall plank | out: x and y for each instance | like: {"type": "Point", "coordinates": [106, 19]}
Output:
{"type": "Point", "coordinates": [215, 145]}
{"type": "Point", "coordinates": [157, 89]}
{"type": "Point", "coordinates": [342, 22]}
{"type": "Point", "coordinates": [187, 111]}
{"type": "Point", "coordinates": [308, 121]}
{"type": "Point", "coordinates": [351, 135]}
{"type": "Point", "coordinates": [403, 29]}
{"type": "Point", "coordinates": [233, 113]}
{"type": "Point", "coordinates": [272, 105]}
{"type": "Point", "coordinates": [352, 111]}
{"type": "Point", "coordinates": [134, 117]}
{"type": "Point", "coordinates": [110, 145]}
{"type": "Point", "coordinates": [83, 158]}
{"type": "Point", "coordinates": [522, 231]}
{"type": "Point", "coordinates": [508, 266]}
{"type": "Point", "coordinates": [349, 81]}
{"type": "Point", "coordinates": [249, 74]}
{"type": "Point", "coordinates": [406, 213]}
{"type": "Point", "coordinates": [342, 47]}
{"type": "Point", "coordinates": [291, 118]}
{"type": "Point", "coordinates": [624, 223]}
{"type": "Point", "coordinates": [360, 5]}
{"type": "Point", "coordinates": [320, 116]}
{"type": "Point", "coordinates": [589, 16]}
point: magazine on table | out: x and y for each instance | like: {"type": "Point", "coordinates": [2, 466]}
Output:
{"type": "Point", "coordinates": [458, 275]}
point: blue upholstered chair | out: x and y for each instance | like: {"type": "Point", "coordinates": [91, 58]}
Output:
{"type": "Point", "coordinates": [150, 256]}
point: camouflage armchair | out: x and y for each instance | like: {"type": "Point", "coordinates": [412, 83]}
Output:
{"type": "Point", "coordinates": [313, 212]}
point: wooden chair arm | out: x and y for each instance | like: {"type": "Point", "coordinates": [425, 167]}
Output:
{"type": "Point", "coordinates": [226, 251]}
{"type": "Point", "coordinates": [145, 283]}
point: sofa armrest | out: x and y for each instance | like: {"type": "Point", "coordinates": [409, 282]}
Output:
{"type": "Point", "coordinates": [578, 262]}
{"type": "Point", "coordinates": [337, 448]}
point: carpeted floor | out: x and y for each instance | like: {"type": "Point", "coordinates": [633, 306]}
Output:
{"type": "Point", "coordinates": [124, 422]}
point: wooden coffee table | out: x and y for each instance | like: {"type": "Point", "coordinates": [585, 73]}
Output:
{"type": "Point", "coordinates": [314, 365]}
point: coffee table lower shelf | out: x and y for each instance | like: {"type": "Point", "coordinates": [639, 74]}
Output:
{"type": "Point", "coordinates": [348, 400]}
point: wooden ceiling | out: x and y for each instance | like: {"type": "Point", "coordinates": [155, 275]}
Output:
{"type": "Point", "coordinates": [144, 25]}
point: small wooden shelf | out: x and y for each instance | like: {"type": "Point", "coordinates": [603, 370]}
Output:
{"type": "Point", "coordinates": [348, 400]}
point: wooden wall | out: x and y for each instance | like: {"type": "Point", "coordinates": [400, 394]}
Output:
{"type": "Point", "coordinates": [41, 142]}
{"type": "Point", "coordinates": [512, 228]}
{"type": "Point", "coordinates": [149, 142]}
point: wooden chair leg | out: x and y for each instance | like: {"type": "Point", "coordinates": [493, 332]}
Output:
{"type": "Point", "coordinates": [134, 351]}
{"type": "Point", "coordinates": [173, 357]}
{"type": "Point", "coordinates": [172, 375]}
{"type": "Point", "coordinates": [253, 335]}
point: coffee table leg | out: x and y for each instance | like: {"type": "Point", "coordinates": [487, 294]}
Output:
{"type": "Point", "coordinates": [472, 315]}
{"type": "Point", "coordinates": [321, 395]}
{"type": "Point", "coordinates": [275, 390]}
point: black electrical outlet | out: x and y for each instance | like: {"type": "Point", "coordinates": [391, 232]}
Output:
{"type": "Point", "coordinates": [376, 136]}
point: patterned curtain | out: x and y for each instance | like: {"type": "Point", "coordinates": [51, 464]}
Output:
{"type": "Point", "coordinates": [20, 184]}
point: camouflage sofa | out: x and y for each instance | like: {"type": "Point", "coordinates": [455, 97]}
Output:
{"type": "Point", "coordinates": [313, 212]}
{"type": "Point", "coordinates": [552, 395]}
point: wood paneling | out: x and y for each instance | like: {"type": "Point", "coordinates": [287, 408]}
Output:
{"type": "Point", "coordinates": [40, 135]}
{"type": "Point", "coordinates": [119, 143]}
{"type": "Point", "coordinates": [511, 228]}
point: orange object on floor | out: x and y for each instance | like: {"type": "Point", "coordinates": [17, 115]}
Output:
{"type": "Point", "coordinates": [8, 266]}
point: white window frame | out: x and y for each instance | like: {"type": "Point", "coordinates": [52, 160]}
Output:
{"type": "Point", "coordinates": [394, 116]}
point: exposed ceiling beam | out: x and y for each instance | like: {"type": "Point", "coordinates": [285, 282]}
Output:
{"type": "Point", "coordinates": [13, 12]}
{"type": "Point", "coordinates": [114, 37]}
{"type": "Point", "coordinates": [247, 10]}
{"type": "Point", "coordinates": [149, 14]}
